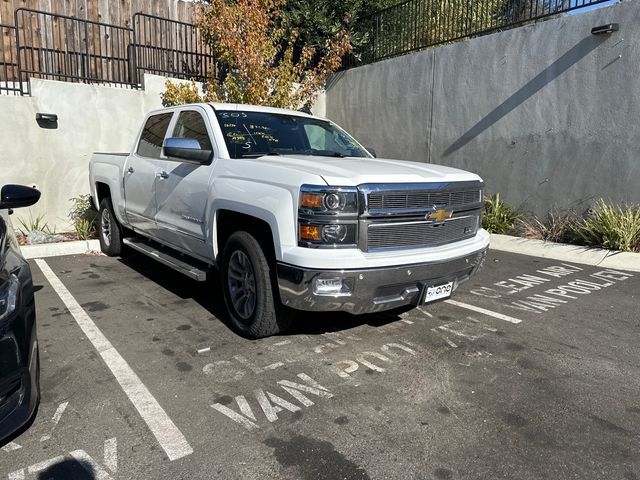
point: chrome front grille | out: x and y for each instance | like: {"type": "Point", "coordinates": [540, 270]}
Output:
{"type": "Point", "coordinates": [389, 235]}
{"type": "Point", "coordinates": [416, 199]}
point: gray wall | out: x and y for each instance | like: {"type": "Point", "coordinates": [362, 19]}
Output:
{"type": "Point", "coordinates": [90, 118]}
{"type": "Point", "coordinates": [547, 114]}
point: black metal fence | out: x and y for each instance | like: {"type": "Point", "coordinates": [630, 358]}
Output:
{"type": "Point", "coordinates": [416, 24]}
{"type": "Point", "coordinates": [58, 47]}
{"type": "Point", "coordinates": [168, 47]}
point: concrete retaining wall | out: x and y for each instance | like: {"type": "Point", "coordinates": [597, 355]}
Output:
{"type": "Point", "coordinates": [90, 118]}
{"type": "Point", "coordinates": [548, 114]}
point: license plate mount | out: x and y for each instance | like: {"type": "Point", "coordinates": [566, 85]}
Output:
{"type": "Point", "coordinates": [437, 292]}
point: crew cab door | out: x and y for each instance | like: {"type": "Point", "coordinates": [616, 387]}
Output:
{"type": "Point", "coordinates": [140, 173]}
{"type": "Point", "coordinates": [182, 191]}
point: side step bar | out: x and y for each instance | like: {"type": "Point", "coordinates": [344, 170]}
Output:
{"type": "Point", "coordinates": [173, 260]}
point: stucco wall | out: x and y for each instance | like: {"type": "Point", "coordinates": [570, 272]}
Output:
{"type": "Point", "coordinates": [548, 114]}
{"type": "Point", "coordinates": [90, 118]}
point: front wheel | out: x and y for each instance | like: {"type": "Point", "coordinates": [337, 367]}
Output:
{"type": "Point", "coordinates": [109, 231]}
{"type": "Point", "coordinates": [249, 289]}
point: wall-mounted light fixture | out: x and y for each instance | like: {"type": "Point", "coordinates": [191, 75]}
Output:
{"type": "Point", "coordinates": [608, 28]}
{"type": "Point", "coordinates": [47, 120]}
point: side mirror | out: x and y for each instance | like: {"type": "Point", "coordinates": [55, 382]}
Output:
{"type": "Point", "coordinates": [16, 196]}
{"type": "Point", "coordinates": [187, 149]}
{"type": "Point", "coordinates": [372, 152]}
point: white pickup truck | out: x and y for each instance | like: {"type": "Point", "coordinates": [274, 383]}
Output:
{"type": "Point", "coordinates": [292, 211]}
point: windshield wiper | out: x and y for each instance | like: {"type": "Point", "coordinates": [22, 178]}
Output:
{"type": "Point", "coordinates": [258, 155]}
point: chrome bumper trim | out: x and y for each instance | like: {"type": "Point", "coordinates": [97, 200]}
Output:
{"type": "Point", "coordinates": [374, 289]}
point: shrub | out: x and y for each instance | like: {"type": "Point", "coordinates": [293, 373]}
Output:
{"type": "Point", "coordinates": [84, 217]}
{"type": "Point", "coordinates": [33, 224]}
{"type": "Point", "coordinates": [612, 227]}
{"type": "Point", "coordinates": [555, 227]}
{"type": "Point", "coordinates": [499, 217]}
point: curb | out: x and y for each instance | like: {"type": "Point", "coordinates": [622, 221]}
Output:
{"type": "Point", "coordinates": [61, 248]}
{"type": "Point", "coordinates": [569, 253]}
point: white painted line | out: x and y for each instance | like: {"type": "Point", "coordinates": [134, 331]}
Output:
{"type": "Point", "coordinates": [111, 454]}
{"type": "Point", "coordinates": [450, 343]}
{"type": "Point", "coordinates": [408, 322]}
{"type": "Point", "coordinates": [445, 328]}
{"type": "Point", "coordinates": [490, 313]}
{"type": "Point", "coordinates": [283, 342]}
{"type": "Point", "coordinates": [204, 350]}
{"type": "Point", "coordinates": [162, 427]}
{"type": "Point", "coordinates": [425, 312]}
{"type": "Point", "coordinates": [10, 447]}
{"type": "Point", "coordinates": [55, 420]}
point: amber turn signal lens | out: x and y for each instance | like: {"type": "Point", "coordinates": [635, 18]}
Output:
{"type": "Point", "coordinates": [308, 232]}
{"type": "Point", "coordinates": [311, 200]}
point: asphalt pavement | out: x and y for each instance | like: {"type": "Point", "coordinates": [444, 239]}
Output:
{"type": "Point", "coordinates": [531, 371]}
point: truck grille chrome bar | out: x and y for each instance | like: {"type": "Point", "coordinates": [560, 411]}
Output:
{"type": "Point", "coordinates": [392, 235]}
{"type": "Point", "coordinates": [401, 216]}
{"type": "Point", "coordinates": [421, 199]}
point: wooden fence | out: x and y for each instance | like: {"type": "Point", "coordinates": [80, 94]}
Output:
{"type": "Point", "coordinates": [114, 12]}
{"type": "Point", "coordinates": [99, 41]}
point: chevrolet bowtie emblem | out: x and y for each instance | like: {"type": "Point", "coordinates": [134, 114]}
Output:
{"type": "Point", "coordinates": [439, 215]}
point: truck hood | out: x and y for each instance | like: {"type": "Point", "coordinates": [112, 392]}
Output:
{"type": "Point", "coordinates": [352, 171]}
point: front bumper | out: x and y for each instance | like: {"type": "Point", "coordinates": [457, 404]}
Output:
{"type": "Point", "coordinates": [374, 289]}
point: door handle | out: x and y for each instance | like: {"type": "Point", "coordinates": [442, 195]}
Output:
{"type": "Point", "coordinates": [130, 170]}
{"type": "Point", "coordinates": [162, 175]}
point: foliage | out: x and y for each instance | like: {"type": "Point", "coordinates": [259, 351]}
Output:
{"type": "Point", "coordinates": [612, 227]}
{"type": "Point", "coordinates": [263, 65]}
{"type": "Point", "coordinates": [555, 227]}
{"type": "Point", "coordinates": [84, 217]}
{"type": "Point", "coordinates": [405, 27]}
{"type": "Point", "coordinates": [31, 224]}
{"type": "Point", "coordinates": [316, 21]}
{"type": "Point", "coordinates": [499, 217]}
{"type": "Point", "coordinates": [180, 93]}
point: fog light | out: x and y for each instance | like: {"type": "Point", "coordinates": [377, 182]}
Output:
{"type": "Point", "coordinates": [329, 286]}
{"type": "Point", "coordinates": [334, 233]}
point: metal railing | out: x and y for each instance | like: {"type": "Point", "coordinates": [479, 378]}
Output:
{"type": "Point", "coordinates": [169, 47]}
{"type": "Point", "coordinates": [417, 24]}
{"type": "Point", "coordinates": [58, 47]}
{"type": "Point", "coordinates": [9, 73]}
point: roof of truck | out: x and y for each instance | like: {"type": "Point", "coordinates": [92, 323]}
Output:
{"type": "Point", "coordinates": [256, 108]}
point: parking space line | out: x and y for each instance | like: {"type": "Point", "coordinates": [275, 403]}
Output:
{"type": "Point", "coordinates": [162, 427]}
{"type": "Point", "coordinates": [54, 421]}
{"type": "Point", "coordinates": [490, 313]}
{"type": "Point", "coordinates": [10, 447]}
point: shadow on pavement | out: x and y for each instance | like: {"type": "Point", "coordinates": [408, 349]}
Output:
{"type": "Point", "coordinates": [209, 295]}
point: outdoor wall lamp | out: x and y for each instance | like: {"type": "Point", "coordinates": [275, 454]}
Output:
{"type": "Point", "coordinates": [47, 120]}
{"type": "Point", "coordinates": [608, 28]}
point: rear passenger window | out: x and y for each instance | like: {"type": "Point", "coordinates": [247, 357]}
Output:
{"type": "Point", "coordinates": [153, 135]}
{"type": "Point", "coordinates": [190, 124]}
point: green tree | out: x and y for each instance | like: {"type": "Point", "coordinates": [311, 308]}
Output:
{"type": "Point", "coordinates": [266, 64]}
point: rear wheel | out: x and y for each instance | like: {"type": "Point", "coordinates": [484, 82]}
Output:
{"type": "Point", "coordinates": [109, 231]}
{"type": "Point", "coordinates": [250, 291]}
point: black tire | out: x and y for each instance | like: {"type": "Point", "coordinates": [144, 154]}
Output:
{"type": "Point", "coordinates": [109, 230]}
{"type": "Point", "coordinates": [265, 315]}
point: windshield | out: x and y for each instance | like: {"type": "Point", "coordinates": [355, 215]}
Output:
{"type": "Point", "coordinates": [254, 134]}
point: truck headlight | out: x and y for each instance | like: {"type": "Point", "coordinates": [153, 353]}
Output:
{"type": "Point", "coordinates": [322, 200]}
{"type": "Point", "coordinates": [8, 297]}
{"type": "Point", "coordinates": [328, 217]}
